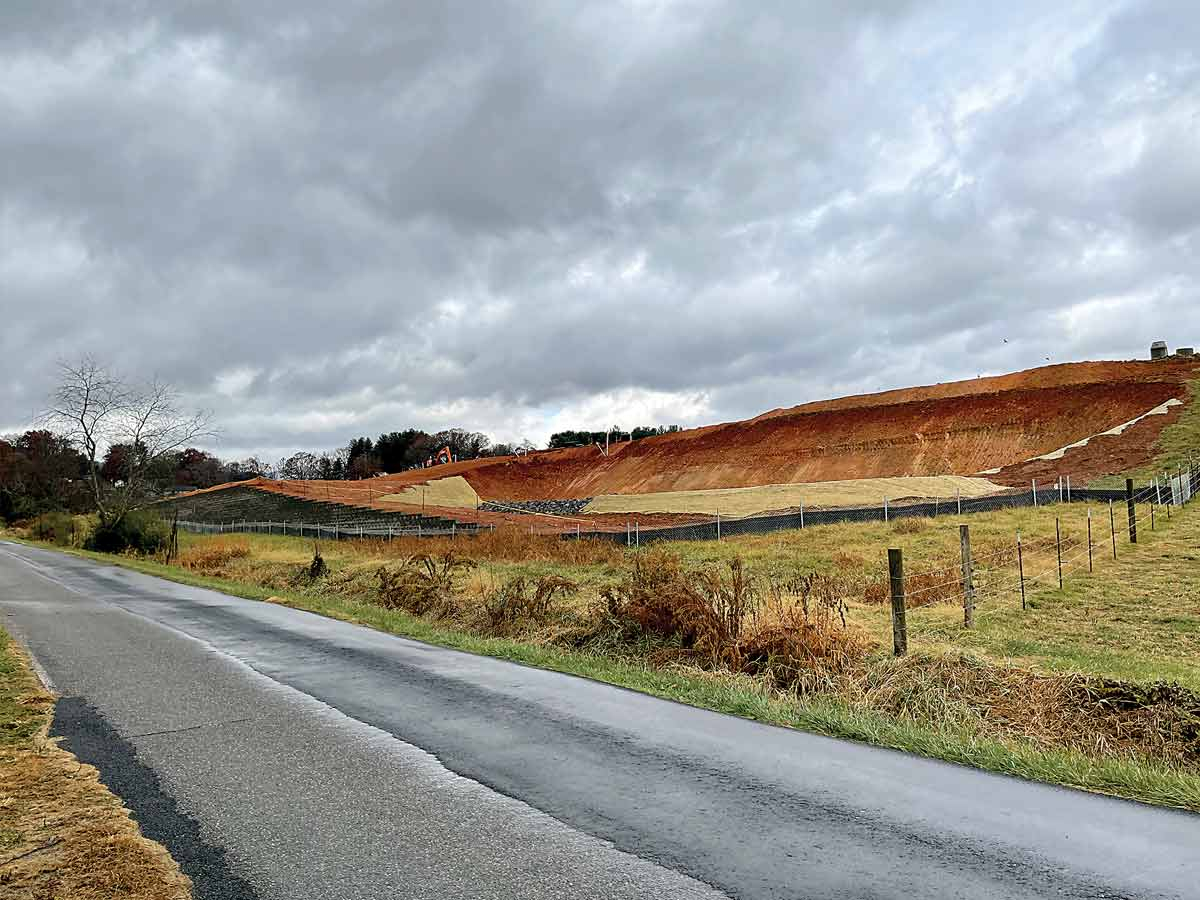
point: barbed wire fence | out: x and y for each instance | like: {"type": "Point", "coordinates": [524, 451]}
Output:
{"type": "Point", "coordinates": [991, 585]}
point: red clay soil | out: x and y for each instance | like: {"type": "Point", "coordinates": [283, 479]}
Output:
{"type": "Point", "coordinates": [959, 428]}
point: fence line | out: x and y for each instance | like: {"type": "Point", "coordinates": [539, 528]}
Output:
{"type": "Point", "coordinates": [331, 532]}
{"type": "Point", "coordinates": [723, 527]}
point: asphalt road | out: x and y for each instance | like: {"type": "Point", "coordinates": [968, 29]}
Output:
{"type": "Point", "coordinates": [291, 756]}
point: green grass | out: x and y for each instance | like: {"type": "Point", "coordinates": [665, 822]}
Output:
{"type": "Point", "coordinates": [1041, 636]}
{"type": "Point", "coordinates": [18, 720]}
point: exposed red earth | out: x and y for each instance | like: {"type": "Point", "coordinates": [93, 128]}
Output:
{"type": "Point", "coordinates": [961, 428]}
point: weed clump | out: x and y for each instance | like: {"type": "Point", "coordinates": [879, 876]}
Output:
{"type": "Point", "coordinates": [422, 584]}
{"type": "Point", "coordinates": [523, 603]}
{"type": "Point", "coordinates": [317, 568]}
{"type": "Point", "coordinates": [785, 631]}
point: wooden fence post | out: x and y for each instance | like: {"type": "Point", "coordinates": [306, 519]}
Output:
{"type": "Point", "coordinates": [968, 579]}
{"type": "Point", "coordinates": [1132, 510]}
{"type": "Point", "coordinates": [899, 625]}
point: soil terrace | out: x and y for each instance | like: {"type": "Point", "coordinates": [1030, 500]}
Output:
{"type": "Point", "coordinates": [961, 428]}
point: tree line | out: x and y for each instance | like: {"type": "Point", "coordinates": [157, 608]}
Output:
{"type": "Point", "coordinates": [107, 445]}
{"type": "Point", "coordinates": [561, 439]}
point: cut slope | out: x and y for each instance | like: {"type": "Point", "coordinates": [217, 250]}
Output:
{"type": "Point", "coordinates": [1010, 425]}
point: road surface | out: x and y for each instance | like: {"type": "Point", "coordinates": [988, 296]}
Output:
{"type": "Point", "coordinates": [280, 754]}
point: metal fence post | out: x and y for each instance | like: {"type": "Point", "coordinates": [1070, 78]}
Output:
{"type": "Point", "coordinates": [1089, 539]}
{"type": "Point", "coordinates": [1132, 510]}
{"type": "Point", "coordinates": [1058, 549]}
{"type": "Point", "coordinates": [1035, 492]}
{"type": "Point", "coordinates": [885, 509]}
{"type": "Point", "coordinates": [896, 579]}
{"type": "Point", "coordinates": [1021, 568]}
{"type": "Point", "coordinates": [1112, 525]}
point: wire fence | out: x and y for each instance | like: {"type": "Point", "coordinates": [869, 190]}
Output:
{"type": "Point", "coordinates": [719, 527]}
{"type": "Point", "coordinates": [335, 532]}
{"type": "Point", "coordinates": [1002, 580]}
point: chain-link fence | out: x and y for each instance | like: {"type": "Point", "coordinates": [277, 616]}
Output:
{"type": "Point", "coordinates": [335, 532]}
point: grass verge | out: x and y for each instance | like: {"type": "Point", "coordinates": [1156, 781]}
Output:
{"type": "Point", "coordinates": [922, 709]}
{"type": "Point", "coordinates": [62, 833]}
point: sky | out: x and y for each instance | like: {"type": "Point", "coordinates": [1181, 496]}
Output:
{"type": "Point", "coordinates": [322, 220]}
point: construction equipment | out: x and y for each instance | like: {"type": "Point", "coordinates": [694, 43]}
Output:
{"type": "Point", "coordinates": [443, 456]}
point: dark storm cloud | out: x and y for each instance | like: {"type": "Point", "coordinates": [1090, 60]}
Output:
{"type": "Point", "coordinates": [321, 220]}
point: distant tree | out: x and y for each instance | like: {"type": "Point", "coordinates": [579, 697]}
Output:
{"type": "Point", "coordinates": [41, 472]}
{"type": "Point", "coordinates": [463, 444]}
{"type": "Point", "coordinates": [365, 465]}
{"type": "Point", "coordinates": [399, 450]}
{"type": "Point", "coordinates": [302, 466]}
{"type": "Point", "coordinates": [360, 446]}
{"type": "Point", "coordinates": [250, 467]}
{"type": "Point", "coordinates": [96, 408]}
{"type": "Point", "coordinates": [199, 469]}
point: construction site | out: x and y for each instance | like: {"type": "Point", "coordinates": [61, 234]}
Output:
{"type": "Point", "coordinates": [983, 442]}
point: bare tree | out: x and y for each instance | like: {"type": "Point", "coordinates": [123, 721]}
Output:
{"type": "Point", "coordinates": [97, 409]}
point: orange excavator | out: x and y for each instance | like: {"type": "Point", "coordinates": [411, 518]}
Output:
{"type": "Point", "coordinates": [443, 456]}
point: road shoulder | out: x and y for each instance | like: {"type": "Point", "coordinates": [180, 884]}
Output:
{"type": "Point", "coordinates": [64, 834]}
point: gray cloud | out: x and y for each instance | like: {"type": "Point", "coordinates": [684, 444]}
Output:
{"type": "Point", "coordinates": [328, 220]}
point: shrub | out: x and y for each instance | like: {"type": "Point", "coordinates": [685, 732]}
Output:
{"type": "Point", "coordinates": [523, 603]}
{"type": "Point", "coordinates": [796, 631]}
{"type": "Point", "coordinates": [422, 583]}
{"type": "Point", "coordinates": [214, 556]}
{"type": "Point", "coordinates": [699, 610]}
{"type": "Point", "coordinates": [138, 532]}
{"type": "Point", "coordinates": [317, 568]}
{"type": "Point", "coordinates": [55, 527]}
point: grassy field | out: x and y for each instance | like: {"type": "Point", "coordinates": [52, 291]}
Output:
{"type": "Point", "coordinates": [749, 501]}
{"type": "Point", "coordinates": [62, 834]}
{"type": "Point", "coordinates": [793, 628]}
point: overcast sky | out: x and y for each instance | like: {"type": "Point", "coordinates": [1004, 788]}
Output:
{"type": "Point", "coordinates": [328, 219]}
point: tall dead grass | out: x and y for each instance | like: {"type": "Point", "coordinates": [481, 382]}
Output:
{"type": "Point", "coordinates": [503, 544]}
{"type": "Point", "coordinates": [1099, 717]}
{"type": "Point", "coordinates": [732, 620]}
{"type": "Point", "coordinates": [214, 557]}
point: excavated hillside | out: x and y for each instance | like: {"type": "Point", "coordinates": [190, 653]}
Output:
{"type": "Point", "coordinates": [1034, 424]}
{"type": "Point", "coordinates": [983, 425]}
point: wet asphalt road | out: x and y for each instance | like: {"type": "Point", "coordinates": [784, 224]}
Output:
{"type": "Point", "coordinates": [304, 757]}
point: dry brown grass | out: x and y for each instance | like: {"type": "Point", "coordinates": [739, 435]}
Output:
{"type": "Point", "coordinates": [785, 631]}
{"type": "Point", "coordinates": [214, 557]}
{"type": "Point", "coordinates": [503, 545]}
{"type": "Point", "coordinates": [1099, 717]}
{"type": "Point", "coordinates": [62, 834]}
